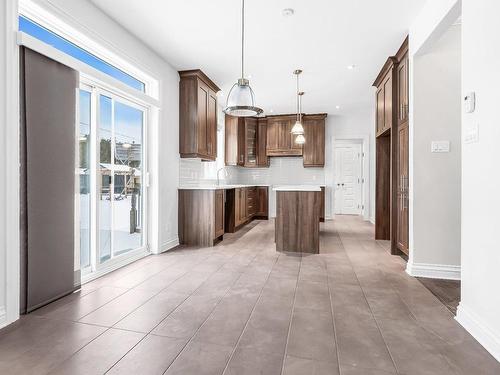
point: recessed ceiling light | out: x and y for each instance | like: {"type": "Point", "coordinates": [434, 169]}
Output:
{"type": "Point", "coordinates": [351, 67]}
{"type": "Point", "coordinates": [337, 106]}
{"type": "Point", "coordinates": [271, 110]}
{"type": "Point", "coordinates": [287, 12]}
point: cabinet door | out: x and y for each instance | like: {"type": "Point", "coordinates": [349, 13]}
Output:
{"type": "Point", "coordinates": [262, 201]}
{"type": "Point", "coordinates": [380, 109]}
{"type": "Point", "coordinates": [250, 142]}
{"type": "Point", "coordinates": [212, 124]}
{"type": "Point", "coordinates": [202, 130]}
{"type": "Point", "coordinates": [251, 201]}
{"type": "Point", "coordinates": [219, 213]}
{"type": "Point", "coordinates": [314, 148]}
{"type": "Point", "coordinates": [388, 102]}
{"type": "Point", "coordinates": [231, 140]}
{"type": "Point", "coordinates": [402, 194]}
{"type": "Point", "coordinates": [284, 135]}
{"type": "Point", "coordinates": [262, 159]}
{"type": "Point", "coordinates": [272, 136]}
{"type": "Point", "coordinates": [243, 205]}
{"type": "Point", "coordinates": [237, 204]}
{"type": "Point", "coordinates": [402, 76]}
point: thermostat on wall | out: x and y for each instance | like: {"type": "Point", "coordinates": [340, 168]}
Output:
{"type": "Point", "coordinates": [470, 102]}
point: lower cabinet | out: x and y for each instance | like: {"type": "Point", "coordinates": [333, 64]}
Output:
{"type": "Point", "coordinates": [244, 204]}
{"type": "Point", "coordinates": [201, 216]}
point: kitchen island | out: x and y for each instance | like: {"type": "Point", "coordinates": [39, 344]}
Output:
{"type": "Point", "coordinates": [298, 211]}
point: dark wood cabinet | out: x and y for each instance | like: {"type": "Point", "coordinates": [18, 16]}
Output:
{"type": "Point", "coordinates": [251, 195]}
{"type": "Point", "coordinates": [314, 133]}
{"type": "Point", "coordinates": [322, 207]}
{"type": "Point", "coordinates": [197, 116]}
{"type": "Point", "coordinates": [280, 140]}
{"type": "Point", "coordinates": [391, 185]}
{"type": "Point", "coordinates": [201, 216]}
{"type": "Point", "coordinates": [262, 158]}
{"type": "Point", "coordinates": [262, 202]}
{"type": "Point", "coordinates": [401, 162]}
{"type": "Point", "coordinates": [219, 212]}
{"type": "Point", "coordinates": [240, 199]}
{"type": "Point", "coordinates": [242, 143]}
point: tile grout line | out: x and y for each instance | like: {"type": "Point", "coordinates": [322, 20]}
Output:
{"type": "Point", "coordinates": [187, 296]}
{"type": "Point", "coordinates": [371, 311]}
{"type": "Point", "coordinates": [249, 317]}
{"type": "Point", "coordinates": [291, 316]}
{"type": "Point", "coordinates": [109, 328]}
{"type": "Point", "coordinates": [208, 317]}
{"type": "Point", "coordinates": [333, 315]}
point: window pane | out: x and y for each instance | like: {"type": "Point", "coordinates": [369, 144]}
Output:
{"type": "Point", "coordinates": [84, 171]}
{"type": "Point", "coordinates": [105, 177]}
{"type": "Point", "coordinates": [127, 207]}
{"type": "Point", "coordinates": [41, 33]}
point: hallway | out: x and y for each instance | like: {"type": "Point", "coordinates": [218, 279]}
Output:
{"type": "Point", "coordinates": [241, 308]}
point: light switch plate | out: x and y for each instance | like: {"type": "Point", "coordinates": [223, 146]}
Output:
{"type": "Point", "coordinates": [440, 146]}
{"type": "Point", "coordinates": [472, 134]}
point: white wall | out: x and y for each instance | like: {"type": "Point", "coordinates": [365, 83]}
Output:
{"type": "Point", "coordinates": [436, 176]}
{"type": "Point", "coordinates": [163, 140]}
{"type": "Point", "coordinates": [479, 309]}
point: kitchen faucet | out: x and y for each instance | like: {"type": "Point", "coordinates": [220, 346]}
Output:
{"type": "Point", "coordinates": [225, 173]}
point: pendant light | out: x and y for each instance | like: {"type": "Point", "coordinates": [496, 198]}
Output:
{"type": "Point", "coordinates": [241, 99]}
{"type": "Point", "coordinates": [297, 127]}
{"type": "Point", "coordinates": [300, 139]}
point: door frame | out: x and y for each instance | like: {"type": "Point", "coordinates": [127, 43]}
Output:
{"type": "Point", "coordinates": [364, 141]}
{"type": "Point", "coordinates": [98, 269]}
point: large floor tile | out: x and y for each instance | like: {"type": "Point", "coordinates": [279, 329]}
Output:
{"type": "Point", "coordinates": [302, 366]}
{"type": "Point", "coordinates": [101, 354]}
{"type": "Point", "coordinates": [153, 355]}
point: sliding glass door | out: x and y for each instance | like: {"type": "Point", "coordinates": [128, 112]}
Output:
{"type": "Point", "coordinates": [112, 194]}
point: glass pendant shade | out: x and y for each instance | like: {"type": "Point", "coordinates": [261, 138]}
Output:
{"type": "Point", "coordinates": [241, 100]}
{"type": "Point", "coordinates": [297, 128]}
{"type": "Point", "coordinates": [300, 140]}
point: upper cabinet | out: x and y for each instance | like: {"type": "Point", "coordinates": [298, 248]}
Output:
{"type": "Point", "coordinates": [197, 115]}
{"type": "Point", "coordinates": [244, 138]}
{"type": "Point", "coordinates": [250, 142]}
{"type": "Point", "coordinates": [402, 79]}
{"type": "Point", "coordinates": [385, 97]}
{"type": "Point", "coordinates": [314, 148]}
{"type": "Point", "coordinates": [262, 158]}
{"type": "Point", "coordinates": [280, 140]}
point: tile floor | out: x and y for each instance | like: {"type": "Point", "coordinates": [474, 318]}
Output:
{"type": "Point", "coordinates": [241, 308]}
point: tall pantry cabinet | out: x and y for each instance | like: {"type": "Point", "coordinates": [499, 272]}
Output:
{"type": "Point", "coordinates": [392, 150]}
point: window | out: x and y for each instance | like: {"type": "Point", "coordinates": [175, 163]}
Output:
{"type": "Point", "coordinates": [56, 41]}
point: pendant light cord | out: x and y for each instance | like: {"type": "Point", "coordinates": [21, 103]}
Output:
{"type": "Point", "coordinates": [242, 38]}
{"type": "Point", "coordinates": [298, 106]}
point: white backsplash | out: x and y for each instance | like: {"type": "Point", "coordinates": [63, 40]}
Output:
{"type": "Point", "coordinates": [282, 171]}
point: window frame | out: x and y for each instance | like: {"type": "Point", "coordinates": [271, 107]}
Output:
{"type": "Point", "coordinates": [53, 21]}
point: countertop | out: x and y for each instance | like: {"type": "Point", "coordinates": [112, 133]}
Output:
{"type": "Point", "coordinates": [297, 188]}
{"type": "Point", "coordinates": [216, 187]}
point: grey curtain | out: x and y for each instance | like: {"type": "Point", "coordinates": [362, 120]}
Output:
{"type": "Point", "coordinates": [48, 113]}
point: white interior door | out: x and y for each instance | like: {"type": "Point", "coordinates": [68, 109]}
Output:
{"type": "Point", "coordinates": [348, 179]}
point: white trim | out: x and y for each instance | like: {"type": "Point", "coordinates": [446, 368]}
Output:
{"type": "Point", "coordinates": [86, 70]}
{"type": "Point", "coordinates": [115, 263]}
{"type": "Point", "coordinates": [364, 139]}
{"type": "Point", "coordinates": [56, 20]}
{"type": "Point", "coordinates": [170, 244]}
{"type": "Point", "coordinates": [3, 317]}
{"type": "Point", "coordinates": [11, 153]}
{"type": "Point", "coordinates": [473, 324]}
{"type": "Point", "coordinates": [433, 271]}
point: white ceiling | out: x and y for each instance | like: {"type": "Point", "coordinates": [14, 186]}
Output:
{"type": "Point", "coordinates": [323, 37]}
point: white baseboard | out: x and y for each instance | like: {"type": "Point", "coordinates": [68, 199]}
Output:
{"type": "Point", "coordinates": [372, 220]}
{"type": "Point", "coordinates": [3, 317]}
{"type": "Point", "coordinates": [170, 244]}
{"type": "Point", "coordinates": [472, 323]}
{"type": "Point", "coordinates": [433, 271]}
